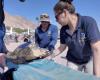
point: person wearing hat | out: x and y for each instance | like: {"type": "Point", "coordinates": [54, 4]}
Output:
{"type": "Point", "coordinates": [46, 34]}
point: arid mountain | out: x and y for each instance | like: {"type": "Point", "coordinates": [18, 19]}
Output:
{"type": "Point", "coordinates": [18, 22]}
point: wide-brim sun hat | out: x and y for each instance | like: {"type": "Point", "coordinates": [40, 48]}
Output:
{"type": "Point", "coordinates": [44, 17]}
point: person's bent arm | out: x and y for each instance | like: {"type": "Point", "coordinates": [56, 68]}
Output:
{"type": "Point", "coordinates": [54, 36]}
{"type": "Point", "coordinates": [96, 58]}
{"type": "Point", "coordinates": [60, 49]}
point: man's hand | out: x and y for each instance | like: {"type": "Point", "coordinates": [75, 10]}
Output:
{"type": "Point", "coordinates": [53, 54]}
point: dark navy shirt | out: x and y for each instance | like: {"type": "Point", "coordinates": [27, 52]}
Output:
{"type": "Point", "coordinates": [46, 39]}
{"type": "Point", "coordinates": [79, 42]}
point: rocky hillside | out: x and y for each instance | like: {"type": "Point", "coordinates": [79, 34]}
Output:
{"type": "Point", "coordinates": [18, 22]}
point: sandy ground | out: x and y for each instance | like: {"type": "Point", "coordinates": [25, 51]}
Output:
{"type": "Point", "coordinates": [59, 59]}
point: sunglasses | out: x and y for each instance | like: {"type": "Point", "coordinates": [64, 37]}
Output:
{"type": "Point", "coordinates": [44, 16]}
{"type": "Point", "coordinates": [58, 14]}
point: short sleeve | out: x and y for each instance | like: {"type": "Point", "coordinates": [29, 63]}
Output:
{"type": "Point", "coordinates": [62, 35]}
{"type": "Point", "coordinates": [93, 33]}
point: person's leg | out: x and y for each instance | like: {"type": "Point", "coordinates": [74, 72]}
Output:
{"type": "Point", "coordinates": [81, 67]}
{"type": "Point", "coordinates": [89, 67]}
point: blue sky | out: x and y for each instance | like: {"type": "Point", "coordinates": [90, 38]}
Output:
{"type": "Point", "coordinates": [33, 8]}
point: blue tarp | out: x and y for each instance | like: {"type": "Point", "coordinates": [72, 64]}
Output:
{"type": "Point", "coordinates": [44, 69]}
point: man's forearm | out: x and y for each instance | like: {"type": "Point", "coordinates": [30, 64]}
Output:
{"type": "Point", "coordinates": [59, 50]}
